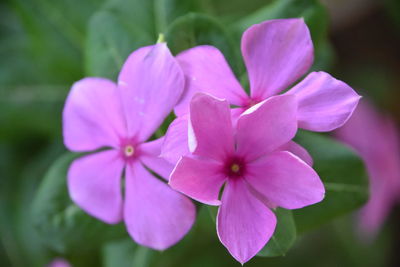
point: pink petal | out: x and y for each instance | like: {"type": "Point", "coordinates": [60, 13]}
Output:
{"type": "Point", "coordinates": [297, 150]}
{"type": "Point", "coordinates": [59, 262]}
{"type": "Point", "coordinates": [375, 212]}
{"type": "Point", "coordinates": [266, 126]}
{"type": "Point", "coordinates": [151, 82]}
{"type": "Point", "coordinates": [286, 180]}
{"type": "Point", "coordinates": [93, 116]}
{"type": "Point", "coordinates": [235, 113]}
{"type": "Point", "coordinates": [324, 102]}
{"type": "Point", "coordinates": [206, 70]}
{"type": "Point", "coordinates": [277, 53]}
{"type": "Point", "coordinates": [244, 223]}
{"type": "Point", "coordinates": [367, 124]}
{"type": "Point", "coordinates": [198, 179]}
{"type": "Point", "coordinates": [150, 157]}
{"type": "Point", "coordinates": [155, 215]}
{"type": "Point", "coordinates": [94, 184]}
{"type": "Point", "coordinates": [376, 138]}
{"type": "Point", "coordinates": [211, 133]}
{"type": "Point", "coordinates": [176, 140]}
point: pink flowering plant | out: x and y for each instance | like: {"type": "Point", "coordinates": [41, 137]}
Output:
{"type": "Point", "coordinates": [163, 135]}
{"type": "Point", "coordinates": [276, 53]}
{"type": "Point", "coordinates": [258, 174]}
{"type": "Point", "coordinates": [121, 117]}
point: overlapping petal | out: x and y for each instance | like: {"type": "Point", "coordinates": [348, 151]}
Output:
{"type": "Point", "coordinates": [244, 223]}
{"type": "Point", "coordinates": [266, 126]}
{"type": "Point", "coordinates": [150, 157]}
{"type": "Point", "coordinates": [198, 179]}
{"type": "Point", "coordinates": [285, 180]}
{"type": "Point", "coordinates": [276, 53]}
{"type": "Point", "coordinates": [155, 215]}
{"type": "Point", "coordinates": [210, 132]}
{"type": "Point", "coordinates": [176, 140]}
{"type": "Point", "coordinates": [324, 102]}
{"type": "Point", "coordinates": [94, 184]}
{"type": "Point", "coordinates": [297, 150]}
{"type": "Point", "coordinates": [93, 115]}
{"type": "Point", "coordinates": [206, 70]}
{"type": "Point", "coordinates": [151, 83]}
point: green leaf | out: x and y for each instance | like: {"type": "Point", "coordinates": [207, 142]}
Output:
{"type": "Point", "coordinates": [55, 36]}
{"type": "Point", "coordinates": [61, 224]}
{"type": "Point", "coordinates": [123, 26]}
{"type": "Point", "coordinates": [344, 178]}
{"type": "Point", "coordinates": [114, 33]}
{"type": "Point", "coordinates": [284, 235]}
{"type": "Point", "coordinates": [213, 211]}
{"type": "Point", "coordinates": [126, 253]}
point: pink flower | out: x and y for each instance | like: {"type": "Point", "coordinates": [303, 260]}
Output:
{"type": "Point", "coordinates": [59, 262]}
{"type": "Point", "coordinates": [276, 53]}
{"type": "Point", "coordinates": [377, 140]}
{"type": "Point", "coordinates": [118, 119]}
{"type": "Point", "coordinates": [247, 158]}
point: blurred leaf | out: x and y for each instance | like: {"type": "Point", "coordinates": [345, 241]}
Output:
{"type": "Point", "coordinates": [31, 176]}
{"type": "Point", "coordinates": [56, 32]}
{"type": "Point", "coordinates": [12, 50]}
{"type": "Point", "coordinates": [123, 26]}
{"type": "Point", "coordinates": [22, 171]}
{"type": "Point", "coordinates": [28, 112]}
{"type": "Point", "coordinates": [109, 43]}
{"type": "Point", "coordinates": [392, 8]}
{"type": "Point", "coordinates": [62, 225]}
{"type": "Point", "coordinates": [213, 211]}
{"type": "Point", "coordinates": [234, 9]}
{"type": "Point", "coordinates": [142, 256]}
{"type": "Point", "coordinates": [125, 253]}
{"type": "Point", "coordinates": [168, 10]}
{"type": "Point", "coordinates": [284, 235]}
{"type": "Point", "coordinates": [114, 33]}
{"type": "Point", "coordinates": [119, 253]}
{"type": "Point", "coordinates": [343, 175]}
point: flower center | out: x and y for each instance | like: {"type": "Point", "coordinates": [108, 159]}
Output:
{"type": "Point", "coordinates": [235, 167]}
{"type": "Point", "coordinates": [251, 102]}
{"type": "Point", "coordinates": [129, 151]}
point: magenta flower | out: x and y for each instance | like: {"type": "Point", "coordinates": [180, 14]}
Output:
{"type": "Point", "coordinates": [247, 158]}
{"type": "Point", "coordinates": [59, 262]}
{"type": "Point", "coordinates": [276, 53]}
{"type": "Point", "coordinates": [120, 118]}
{"type": "Point", "coordinates": [376, 138]}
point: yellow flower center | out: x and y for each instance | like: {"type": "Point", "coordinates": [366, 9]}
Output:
{"type": "Point", "coordinates": [129, 151]}
{"type": "Point", "coordinates": [235, 168]}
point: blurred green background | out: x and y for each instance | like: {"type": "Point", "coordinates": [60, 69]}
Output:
{"type": "Point", "coordinates": [46, 45]}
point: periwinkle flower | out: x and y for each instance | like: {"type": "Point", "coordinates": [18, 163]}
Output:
{"type": "Point", "coordinates": [247, 157]}
{"type": "Point", "coordinates": [59, 262]}
{"type": "Point", "coordinates": [376, 138]}
{"type": "Point", "coordinates": [276, 53]}
{"type": "Point", "coordinates": [119, 119]}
